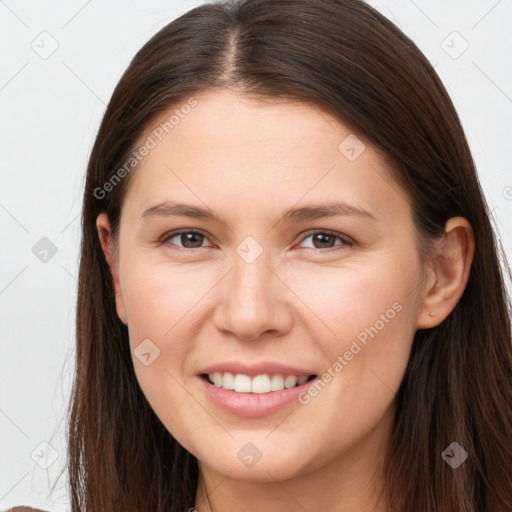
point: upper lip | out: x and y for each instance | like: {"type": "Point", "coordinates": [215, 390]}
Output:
{"type": "Point", "coordinates": [253, 369]}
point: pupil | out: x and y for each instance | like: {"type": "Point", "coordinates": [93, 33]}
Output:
{"type": "Point", "coordinates": [189, 237]}
{"type": "Point", "coordinates": [324, 236]}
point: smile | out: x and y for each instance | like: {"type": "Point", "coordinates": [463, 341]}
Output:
{"type": "Point", "coordinates": [256, 396]}
{"type": "Point", "coordinates": [263, 383]}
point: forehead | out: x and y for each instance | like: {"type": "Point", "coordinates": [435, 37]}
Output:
{"type": "Point", "coordinates": [232, 145]}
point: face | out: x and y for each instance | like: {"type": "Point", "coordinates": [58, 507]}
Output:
{"type": "Point", "coordinates": [264, 245]}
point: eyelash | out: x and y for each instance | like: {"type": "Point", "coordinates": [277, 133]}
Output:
{"type": "Point", "coordinates": [346, 242]}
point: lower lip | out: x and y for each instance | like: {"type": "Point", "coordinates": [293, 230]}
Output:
{"type": "Point", "coordinates": [251, 405]}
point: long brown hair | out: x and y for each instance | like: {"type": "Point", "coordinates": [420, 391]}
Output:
{"type": "Point", "coordinates": [344, 56]}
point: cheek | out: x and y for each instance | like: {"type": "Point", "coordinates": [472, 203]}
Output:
{"type": "Point", "coordinates": [351, 300]}
{"type": "Point", "coordinates": [160, 300]}
{"type": "Point", "coordinates": [159, 303]}
{"type": "Point", "coordinates": [364, 323]}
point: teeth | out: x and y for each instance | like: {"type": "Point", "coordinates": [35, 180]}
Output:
{"type": "Point", "coordinates": [242, 383]}
{"type": "Point", "coordinates": [290, 381]}
{"type": "Point", "coordinates": [264, 383]}
{"type": "Point", "coordinates": [261, 384]}
{"type": "Point", "coordinates": [227, 381]}
{"type": "Point", "coordinates": [217, 379]}
{"type": "Point", "coordinates": [276, 383]}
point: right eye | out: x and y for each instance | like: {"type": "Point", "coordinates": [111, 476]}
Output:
{"type": "Point", "coordinates": [187, 237]}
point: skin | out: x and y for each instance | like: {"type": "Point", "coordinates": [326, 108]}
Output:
{"type": "Point", "coordinates": [299, 302]}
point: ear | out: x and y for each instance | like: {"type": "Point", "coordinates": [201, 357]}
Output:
{"type": "Point", "coordinates": [104, 233]}
{"type": "Point", "coordinates": [449, 274]}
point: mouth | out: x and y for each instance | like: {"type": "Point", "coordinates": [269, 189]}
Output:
{"type": "Point", "coordinates": [258, 384]}
{"type": "Point", "coordinates": [254, 396]}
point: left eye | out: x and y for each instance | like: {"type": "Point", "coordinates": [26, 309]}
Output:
{"type": "Point", "coordinates": [321, 239]}
{"type": "Point", "coordinates": [324, 239]}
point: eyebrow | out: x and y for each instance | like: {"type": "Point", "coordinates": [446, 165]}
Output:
{"type": "Point", "coordinates": [305, 213]}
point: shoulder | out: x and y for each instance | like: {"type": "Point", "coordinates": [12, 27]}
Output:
{"type": "Point", "coordinates": [25, 509]}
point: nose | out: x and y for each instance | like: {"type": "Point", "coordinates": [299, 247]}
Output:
{"type": "Point", "coordinates": [253, 301]}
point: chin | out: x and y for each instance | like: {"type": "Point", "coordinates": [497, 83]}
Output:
{"type": "Point", "coordinates": [262, 461]}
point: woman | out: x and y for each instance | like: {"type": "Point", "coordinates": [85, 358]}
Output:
{"type": "Point", "coordinates": [290, 296]}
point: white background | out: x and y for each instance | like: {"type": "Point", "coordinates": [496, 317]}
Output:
{"type": "Point", "coordinates": [50, 111]}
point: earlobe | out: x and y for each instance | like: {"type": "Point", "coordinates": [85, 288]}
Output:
{"type": "Point", "coordinates": [450, 268]}
{"type": "Point", "coordinates": [104, 233]}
